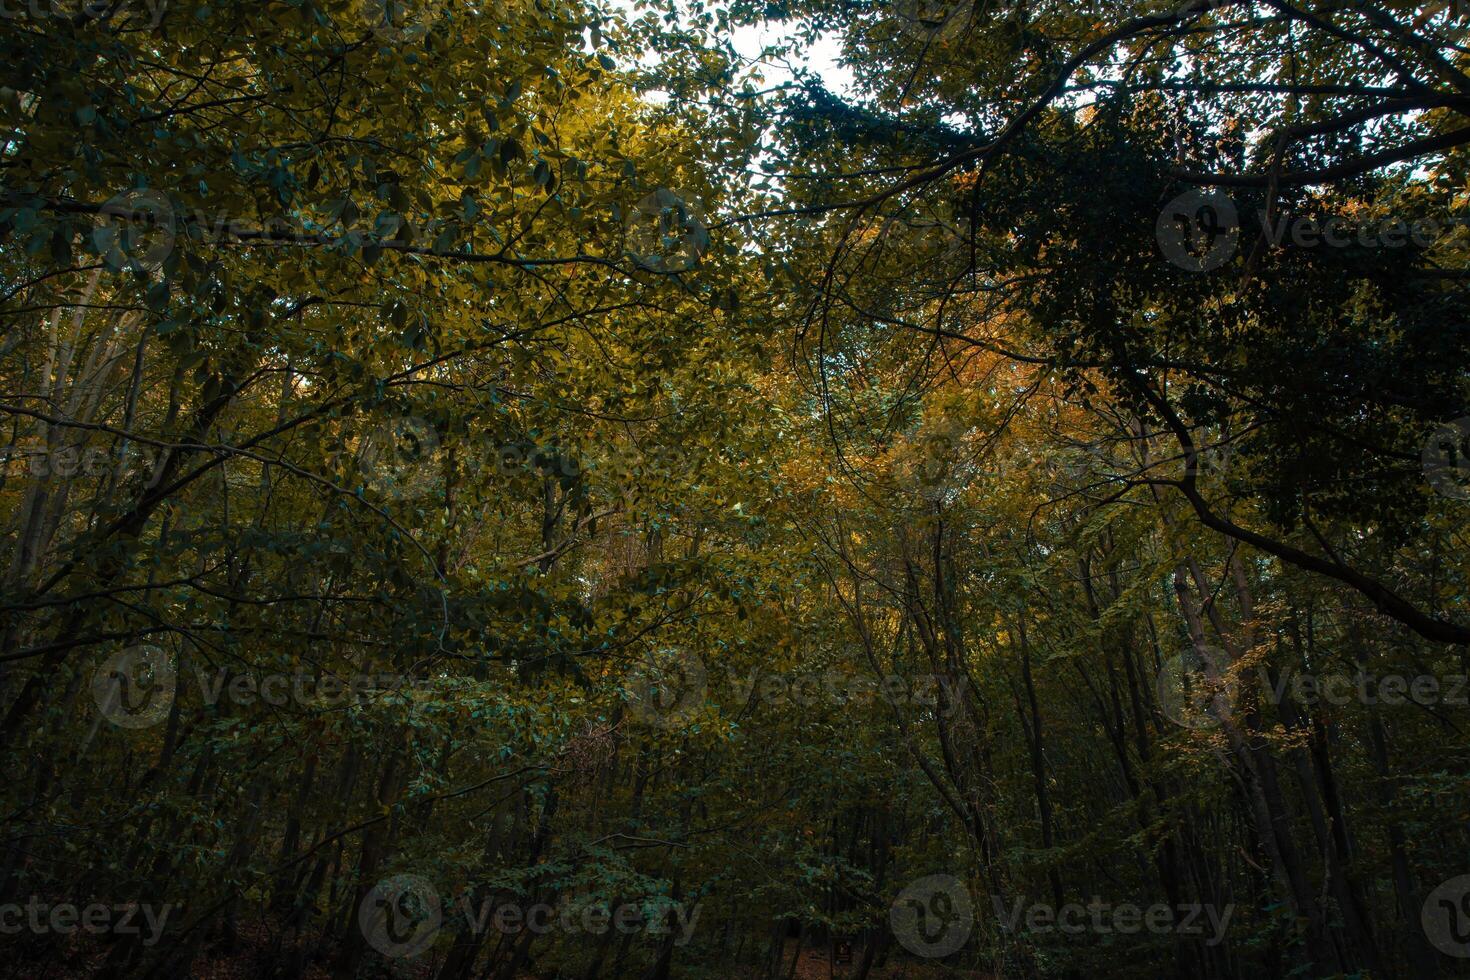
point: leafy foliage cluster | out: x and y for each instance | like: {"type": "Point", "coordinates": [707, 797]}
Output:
{"type": "Point", "coordinates": [518, 446]}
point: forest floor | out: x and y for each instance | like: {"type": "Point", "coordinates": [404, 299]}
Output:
{"type": "Point", "coordinates": [815, 965]}
{"type": "Point", "coordinates": [251, 958]}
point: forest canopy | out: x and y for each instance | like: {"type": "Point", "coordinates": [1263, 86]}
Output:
{"type": "Point", "coordinates": [714, 489]}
